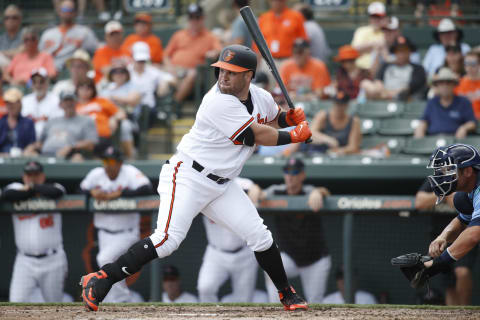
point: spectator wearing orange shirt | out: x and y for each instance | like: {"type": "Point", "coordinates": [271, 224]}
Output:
{"type": "Point", "coordinates": [3, 107]}
{"type": "Point", "coordinates": [107, 116]}
{"type": "Point", "coordinates": [303, 75]}
{"type": "Point", "coordinates": [280, 27]}
{"type": "Point", "coordinates": [470, 84]}
{"type": "Point", "coordinates": [143, 32]}
{"type": "Point", "coordinates": [19, 70]}
{"type": "Point", "coordinates": [111, 51]}
{"type": "Point", "coordinates": [189, 48]}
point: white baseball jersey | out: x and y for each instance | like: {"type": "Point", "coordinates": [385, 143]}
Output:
{"type": "Point", "coordinates": [129, 177]}
{"type": "Point", "coordinates": [41, 111]}
{"type": "Point", "coordinates": [185, 297]}
{"type": "Point", "coordinates": [38, 233]}
{"type": "Point", "coordinates": [220, 119]}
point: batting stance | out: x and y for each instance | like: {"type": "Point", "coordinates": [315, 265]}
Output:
{"type": "Point", "coordinates": [227, 256]}
{"type": "Point", "coordinates": [234, 116]}
{"type": "Point", "coordinates": [455, 168]}
{"type": "Point", "coordinates": [116, 231]}
{"type": "Point", "coordinates": [41, 262]}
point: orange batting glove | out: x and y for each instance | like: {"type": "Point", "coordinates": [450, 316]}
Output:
{"type": "Point", "coordinates": [295, 116]}
{"type": "Point", "coordinates": [301, 133]}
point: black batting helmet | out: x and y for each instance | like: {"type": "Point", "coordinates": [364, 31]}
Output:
{"type": "Point", "coordinates": [236, 58]}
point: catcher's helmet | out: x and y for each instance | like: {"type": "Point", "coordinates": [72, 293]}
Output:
{"type": "Point", "coordinates": [445, 161]}
{"type": "Point", "coordinates": [236, 58]}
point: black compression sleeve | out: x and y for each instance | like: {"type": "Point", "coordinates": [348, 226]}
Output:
{"type": "Point", "coordinates": [144, 190]}
{"type": "Point", "coordinates": [48, 190]}
{"type": "Point", "coordinates": [283, 138]}
{"type": "Point", "coordinates": [17, 195]}
{"type": "Point", "coordinates": [282, 120]}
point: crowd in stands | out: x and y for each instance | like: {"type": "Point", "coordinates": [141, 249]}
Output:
{"type": "Point", "coordinates": [115, 79]}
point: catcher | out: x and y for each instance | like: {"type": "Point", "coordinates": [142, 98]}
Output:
{"type": "Point", "coordinates": [455, 169]}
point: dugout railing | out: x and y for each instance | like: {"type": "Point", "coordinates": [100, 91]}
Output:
{"type": "Point", "coordinates": [347, 210]}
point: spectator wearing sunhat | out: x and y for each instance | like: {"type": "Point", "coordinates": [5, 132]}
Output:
{"type": "Point", "coordinates": [79, 67]}
{"type": "Point", "coordinates": [149, 79]}
{"type": "Point", "coordinates": [349, 75]}
{"type": "Point", "coordinates": [304, 76]}
{"type": "Point", "coordinates": [111, 51]}
{"type": "Point", "coordinates": [189, 48]}
{"type": "Point", "coordinates": [143, 32]}
{"type": "Point", "coordinates": [40, 105]}
{"type": "Point", "coordinates": [446, 113]}
{"type": "Point", "coordinates": [398, 80]}
{"type": "Point", "coordinates": [446, 34]}
{"type": "Point", "coordinates": [367, 38]}
{"type": "Point", "coordinates": [16, 131]}
{"type": "Point", "coordinates": [69, 137]}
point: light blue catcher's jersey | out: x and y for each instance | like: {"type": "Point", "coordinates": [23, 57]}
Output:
{"type": "Point", "coordinates": [472, 219]}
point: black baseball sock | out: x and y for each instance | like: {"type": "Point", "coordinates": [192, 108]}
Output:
{"type": "Point", "coordinates": [271, 262]}
{"type": "Point", "coordinates": [131, 261]}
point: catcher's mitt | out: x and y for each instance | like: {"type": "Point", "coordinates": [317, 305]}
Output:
{"type": "Point", "coordinates": [411, 264]}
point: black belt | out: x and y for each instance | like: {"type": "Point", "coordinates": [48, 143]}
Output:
{"type": "Point", "coordinates": [115, 231]}
{"type": "Point", "coordinates": [197, 166]}
{"type": "Point", "coordinates": [39, 256]}
{"type": "Point", "coordinates": [227, 251]}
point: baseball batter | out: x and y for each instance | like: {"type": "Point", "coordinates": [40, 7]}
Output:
{"type": "Point", "coordinates": [233, 117]}
{"type": "Point", "coordinates": [116, 231]}
{"type": "Point", "coordinates": [227, 256]}
{"type": "Point", "coordinates": [41, 262]}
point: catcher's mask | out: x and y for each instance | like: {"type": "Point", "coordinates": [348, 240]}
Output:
{"type": "Point", "coordinates": [445, 163]}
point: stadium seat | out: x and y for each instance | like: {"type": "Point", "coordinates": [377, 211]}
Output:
{"type": "Point", "coordinates": [398, 126]}
{"type": "Point", "coordinates": [311, 108]}
{"type": "Point", "coordinates": [414, 110]}
{"type": "Point", "coordinates": [369, 126]}
{"type": "Point", "coordinates": [426, 145]}
{"type": "Point", "coordinates": [394, 144]}
{"type": "Point", "coordinates": [473, 140]}
{"type": "Point", "coordinates": [379, 109]}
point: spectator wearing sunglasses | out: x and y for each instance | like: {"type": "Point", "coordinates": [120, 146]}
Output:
{"type": "Point", "coordinates": [62, 41]}
{"type": "Point", "coordinates": [11, 39]}
{"type": "Point", "coordinates": [470, 84]}
{"type": "Point", "coordinates": [300, 237]}
{"type": "Point", "coordinates": [30, 58]}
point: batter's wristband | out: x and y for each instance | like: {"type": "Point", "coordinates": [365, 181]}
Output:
{"type": "Point", "coordinates": [283, 138]}
{"type": "Point", "coordinates": [282, 120]}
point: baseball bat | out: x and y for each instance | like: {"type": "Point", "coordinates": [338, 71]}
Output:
{"type": "Point", "coordinates": [262, 46]}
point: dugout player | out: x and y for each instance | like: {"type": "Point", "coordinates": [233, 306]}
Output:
{"type": "Point", "coordinates": [172, 287]}
{"type": "Point", "coordinates": [233, 117]}
{"type": "Point", "coordinates": [458, 283]}
{"type": "Point", "coordinates": [300, 237]}
{"type": "Point", "coordinates": [116, 231]}
{"type": "Point", "coordinates": [228, 256]}
{"type": "Point", "coordinates": [455, 168]}
{"type": "Point", "coordinates": [40, 261]}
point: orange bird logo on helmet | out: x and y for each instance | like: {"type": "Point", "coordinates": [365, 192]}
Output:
{"type": "Point", "coordinates": [228, 55]}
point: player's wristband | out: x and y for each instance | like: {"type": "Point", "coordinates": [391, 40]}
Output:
{"type": "Point", "coordinates": [282, 120]}
{"type": "Point", "coordinates": [283, 138]}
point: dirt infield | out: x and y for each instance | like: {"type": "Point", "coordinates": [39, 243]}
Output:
{"type": "Point", "coordinates": [161, 311]}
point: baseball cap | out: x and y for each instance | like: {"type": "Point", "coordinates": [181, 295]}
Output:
{"type": "Point", "coordinates": [299, 44]}
{"type": "Point", "coordinates": [261, 78]}
{"type": "Point", "coordinates": [42, 72]}
{"type": "Point", "coordinates": [393, 23]}
{"type": "Point", "coordinates": [346, 52]}
{"type": "Point", "coordinates": [112, 153]}
{"type": "Point", "coordinates": [445, 74]}
{"type": "Point", "coordinates": [237, 58]}
{"type": "Point", "coordinates": [376, 9]}
{"type": "Point", "coordinates": [341, 97]}
{"type": "Point", "coordinates": [194, 10]}
{"type": "Point", "coordinates": [141, 51]}
{"type": "Point", "coordinates": [143, 16]}
{"type": "Point", "coordinates": [113, 26]}
{"type": "Point", "coordinates": [32, 167]}
{"type": "Point", "coordinates": [170, 272]}
{"type": "Point", "coordinates": [68, 95]}
{"type": "Point", "coordinates": [12, 95]}
{"type": "Point", "coordinates": [294, 165]}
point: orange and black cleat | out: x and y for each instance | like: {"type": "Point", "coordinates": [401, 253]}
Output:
{"type": "Point", "coordinates": [95, 287]}
{"type": "Point", "coordinates": [291, 300]}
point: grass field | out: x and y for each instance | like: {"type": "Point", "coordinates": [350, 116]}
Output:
{"type": "Point", "coordinates": [152, 311]}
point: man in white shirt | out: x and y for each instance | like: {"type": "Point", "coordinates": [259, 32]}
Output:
{"type": "Point", "coordinates": [41, 105]}
{"type": "Point", "coordinates": [361, 297]}
{"type": "Point", "coordinates": [172, 288]}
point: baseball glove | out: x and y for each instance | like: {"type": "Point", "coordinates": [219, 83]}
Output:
{"type": "Point", "coordinates": [411, 265]}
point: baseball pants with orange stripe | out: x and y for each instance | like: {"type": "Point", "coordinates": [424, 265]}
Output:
{"type": "Point", "coordinates": [184, 192]}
